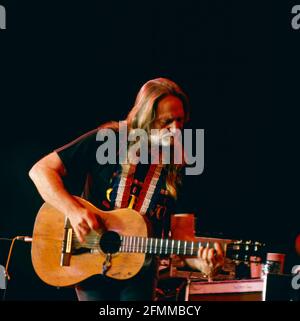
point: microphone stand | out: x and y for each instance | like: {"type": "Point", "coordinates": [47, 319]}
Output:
{"type": "Point", "coordinates": [4, 275]}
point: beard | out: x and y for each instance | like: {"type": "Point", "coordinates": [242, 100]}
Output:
{"type": "Point", "coordinates": [163, 138]}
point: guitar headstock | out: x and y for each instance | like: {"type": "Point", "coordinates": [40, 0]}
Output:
{"type": "Point", "coordinates": [242, 251]}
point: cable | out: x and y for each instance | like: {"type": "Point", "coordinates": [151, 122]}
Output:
{"type": "Point", "coordinates": [9, 256]}
{"type": "Point", "coordinates": [24, 238]}
{"type": "Point", "coordinates": [19, 238]}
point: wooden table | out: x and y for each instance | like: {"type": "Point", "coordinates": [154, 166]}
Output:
{"type": "Point", "coordinates": [229, 290]}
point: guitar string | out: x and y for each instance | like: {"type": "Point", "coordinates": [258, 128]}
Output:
{"type": "Point", "coordinates": [93, 240]}
{"type": "Point", "coordinates": [126, 242]}
{"type": "Point", "coordinates": [142, 250]}
{"type": "Point", "coordinates": [189, 248]}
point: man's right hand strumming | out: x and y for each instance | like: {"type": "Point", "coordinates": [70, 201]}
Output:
{"type": "Point", "coordinates": [82, 221]}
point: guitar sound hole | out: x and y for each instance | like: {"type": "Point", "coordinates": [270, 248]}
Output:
{"type": "Point", "coordinates": [110, 242]}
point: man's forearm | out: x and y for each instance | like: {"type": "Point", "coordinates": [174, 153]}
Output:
{"type": "Point", "coordinates": [51, 188]}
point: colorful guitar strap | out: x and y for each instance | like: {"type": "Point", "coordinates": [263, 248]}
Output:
{"type": "Point", "coordinates": [122, 188]}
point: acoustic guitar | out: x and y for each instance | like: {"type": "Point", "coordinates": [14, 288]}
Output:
{"type": "Point", "coordinates": [117, 249]}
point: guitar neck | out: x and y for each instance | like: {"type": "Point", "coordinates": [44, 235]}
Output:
{"type": "Point", "coordinates": [138, 244]}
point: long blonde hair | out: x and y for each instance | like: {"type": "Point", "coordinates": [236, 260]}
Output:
{"type": "Point", "coordinates": [143, 114]}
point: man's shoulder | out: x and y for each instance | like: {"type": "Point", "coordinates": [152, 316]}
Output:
{"type": "Point", "coordinates": [90, 136]}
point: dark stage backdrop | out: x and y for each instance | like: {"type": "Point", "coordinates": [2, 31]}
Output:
{"type": "Point", "coordinates": [68, 66]}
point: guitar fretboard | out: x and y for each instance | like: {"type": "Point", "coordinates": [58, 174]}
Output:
{"type": "Point", "coordinates": [138, 244]}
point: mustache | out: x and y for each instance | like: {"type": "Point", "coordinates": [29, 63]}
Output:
{"type": "Point", "coordinates": [165, 137]}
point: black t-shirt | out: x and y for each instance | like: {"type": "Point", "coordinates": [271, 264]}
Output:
{"type": "Point", "coordinates": [87, 178]}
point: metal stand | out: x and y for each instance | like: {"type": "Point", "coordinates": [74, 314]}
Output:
{"type": "Point", "coordinates": [3, 282]}
{"type": "Point", "coordinates": [4, 275]}
{"type": "Point", "coordinates": [3, 278]}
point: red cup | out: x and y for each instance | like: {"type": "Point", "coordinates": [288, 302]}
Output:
{"type": "Point", "coordinates": [255, 267]}
{"type": "Point", "coordinates": [277, 258]}
{"type": "Point", "coordinates": [183, 226]}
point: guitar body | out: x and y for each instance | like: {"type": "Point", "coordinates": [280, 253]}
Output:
{"type": "Point", "coordinates": [117, 249]}
{"type": "Point", "coordinates": [48, 236]}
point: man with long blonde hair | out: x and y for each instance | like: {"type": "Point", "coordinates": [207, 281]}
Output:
{"type": "Point", "coordinates": [161, 108]}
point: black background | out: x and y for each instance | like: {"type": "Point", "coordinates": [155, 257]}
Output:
{"type": "Point", "coordinates": [68, 66]}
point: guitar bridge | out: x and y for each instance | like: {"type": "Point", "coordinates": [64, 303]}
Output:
{"type": "Point", "coordinates": [66, 252]}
